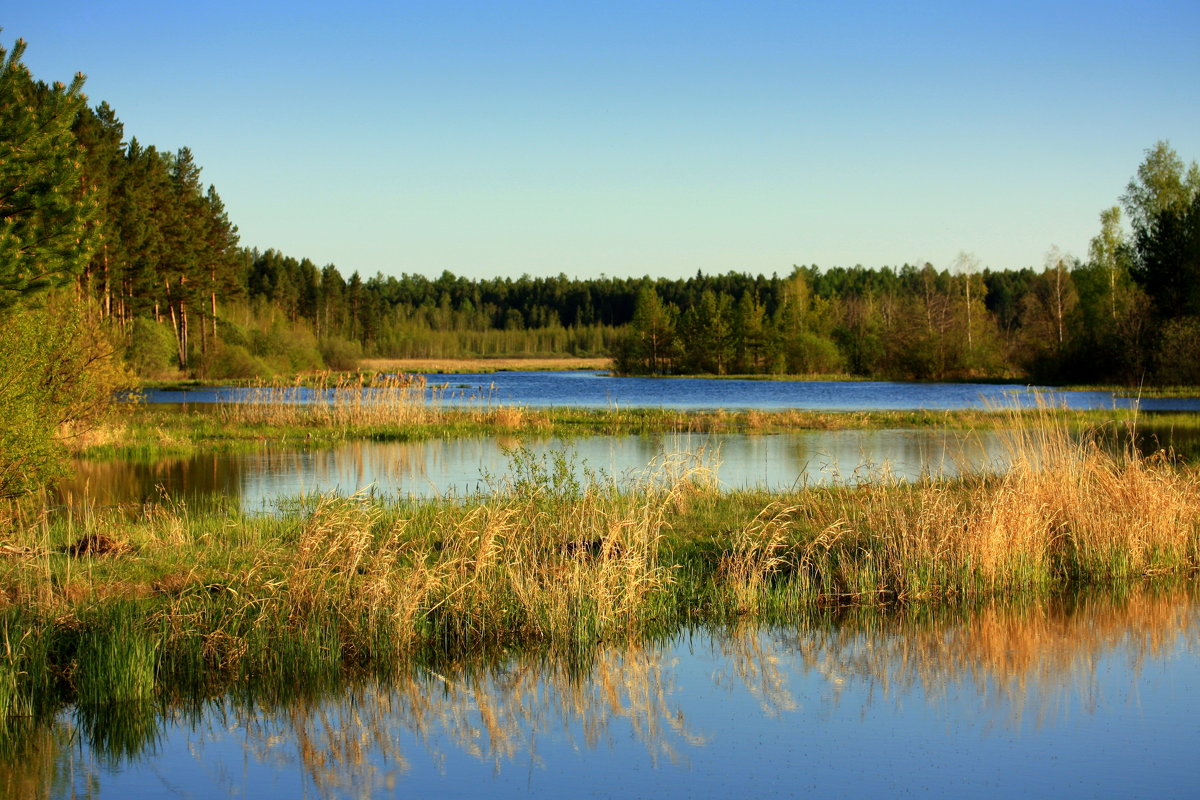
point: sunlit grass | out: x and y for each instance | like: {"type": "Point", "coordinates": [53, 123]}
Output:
{"type": "Point", "coordinates": [184, 596]}
{"type": "Point", "coordinates": [399, 410]}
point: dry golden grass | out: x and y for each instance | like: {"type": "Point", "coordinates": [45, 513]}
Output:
{"type": "Point", "coordinates": [330, 400]}
{"type": "Point", "coordinates": [535, 562]}
{"type": "Point", "coordinates": [1065, 509]}
{"type": "Point", "coordinates": [468, 365]}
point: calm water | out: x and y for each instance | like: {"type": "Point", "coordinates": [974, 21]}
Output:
{"type": "Point", "coordinates": [464, 466]}
{"type": "Point", "coordinates": [256, 480]}
{"type": "Point", "coordinates": [1088, 697]}
{"type": "Point", "coordinates": [597, 390]}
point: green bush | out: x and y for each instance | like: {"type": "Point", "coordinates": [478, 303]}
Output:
{"type": "Point", "coordinates": [813, 354]}
{"type": "Point", "coordinates": [234, 361]}
{"type": "Point", "coordinates": [58, 374]}
{"type": "Point", "coordinates": [341, 354]}
{"type": "Point", "coordinates": [151, 352]}
{"type": "Point", "coordinates": [286, 348]}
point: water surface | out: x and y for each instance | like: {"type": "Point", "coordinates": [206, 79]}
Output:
{"type": "Point", "coordinates": [598, 390]}
{"type": "Point", "coordinates": [462, 466]}
{"type": "Point", "coordinates": [1085, 696]}
{"type": "Point", "coordinates": [258, 479]}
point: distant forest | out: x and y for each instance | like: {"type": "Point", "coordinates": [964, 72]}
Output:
{"type": "Point", "coordinates": [170, 278]}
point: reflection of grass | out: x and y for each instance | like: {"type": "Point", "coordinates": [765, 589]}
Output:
{"type": "Point", "coordinates": [1018, 663]}
{"type": "Point", "coordinates": [449, 366]}
{"type": "Point", "coordinates": [1139, 391]}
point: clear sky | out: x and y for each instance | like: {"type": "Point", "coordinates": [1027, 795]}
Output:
{"type": "Point", "coordinates": [651, 137]}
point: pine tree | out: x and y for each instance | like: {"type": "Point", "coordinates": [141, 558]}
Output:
{"type": "Point", "coordinates": [45, 207]}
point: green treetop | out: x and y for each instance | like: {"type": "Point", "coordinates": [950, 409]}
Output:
{"type": "Point", "coordinates": [45, 238]}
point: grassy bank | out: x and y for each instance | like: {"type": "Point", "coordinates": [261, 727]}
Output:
{"type": "Point", "coordinates": [148, 430]}
{"type": "Point", "coordinates": [180, 597]}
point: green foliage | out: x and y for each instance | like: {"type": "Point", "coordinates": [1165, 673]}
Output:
{"type": "Point", "coordinates": [340, 354]}
{"type": "Point", "coordinates": [234, 361]}
{"type": "Point", "coordinates": [650, 346]}
{"type": "Point", "coordinates": [58, 373]}
{"type": "Point", "coordinates": [45, 238]}
{"type": "Point", "coordinates": [151, 352]}
{"type": "Point", "coordinates": [1169, 260]}
{"type": "Point", "coordinates": [812, 354]}
{"type": "Point", "coordinates": [285, 347]}
{"type": "Point", "coordinates": [1177, 361]}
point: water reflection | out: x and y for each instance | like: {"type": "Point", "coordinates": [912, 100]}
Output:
{"type": "Point", "coordinates": [676, 715]}
{"type": "Point", "coordinates": [257, 480]}
{"type": "Point", "coordinates": [463, 466]}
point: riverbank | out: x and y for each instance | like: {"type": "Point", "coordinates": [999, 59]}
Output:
{"type": "Point", "coordinates": [104, 603]}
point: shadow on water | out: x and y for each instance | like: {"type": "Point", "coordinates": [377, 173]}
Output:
{"type": "Point", "coordinates": [1018, 668]}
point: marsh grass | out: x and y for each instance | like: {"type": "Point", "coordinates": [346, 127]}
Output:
{"type": "Point", "coordinates": [336, 400]}
{"type": "Point", "coordinates": [191, 600]}
{"type": "Point", "coordinates": [1067, 509]}
{"type": "Point", "coordinates": [393, 408]}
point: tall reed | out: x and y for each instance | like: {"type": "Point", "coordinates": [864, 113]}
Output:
{"type": "Point", "coordinates": [1067, 508]}
{"type": "Point", "coordinates": [337, 400]}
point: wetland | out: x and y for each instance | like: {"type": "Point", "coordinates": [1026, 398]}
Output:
{"type": "Point", "coordinates": [384, 589]}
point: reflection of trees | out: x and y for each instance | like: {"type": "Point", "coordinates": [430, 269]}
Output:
{"type": "Point", "coordinates": [133, 484]}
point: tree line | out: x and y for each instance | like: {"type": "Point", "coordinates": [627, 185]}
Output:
{"type": "Point", "coordinates": [1129, 313]}
{"type": "Point", "coordinates": [152, 253]}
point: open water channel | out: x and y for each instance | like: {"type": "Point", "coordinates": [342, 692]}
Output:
{"type": "Point", "coordinates": [1092, 695]}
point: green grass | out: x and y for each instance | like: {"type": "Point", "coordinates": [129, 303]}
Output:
{"type": "Point", "coordinates": [142, 432]}
{"type": "Point", "coordinates": [171, 603]}
{"type": "Point", "coordinates": [548, 560]}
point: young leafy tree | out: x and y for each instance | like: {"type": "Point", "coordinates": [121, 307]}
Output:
{"type": "Point", "coordinates": [1162, 183]}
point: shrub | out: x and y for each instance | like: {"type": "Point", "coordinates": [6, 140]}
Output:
{"type": "Point", "coordinates": [340, 354]}
{"type": "Point", "coordinates": [151, 352]}
{"type": "Point", "coordinates": [235, 361]}
{"type": "Point", "coordinates": [58, 375]}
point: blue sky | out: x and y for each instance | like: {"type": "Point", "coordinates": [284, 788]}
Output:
{"type": "Point", "coordinates": [660, 138]}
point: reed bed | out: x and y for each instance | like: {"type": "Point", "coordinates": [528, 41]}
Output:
{"type": "Point", "coordinates": [325, 410]}
{"type": "Point", "coordinates": [1067, 510]}
{"type": "Point", "coordinates": [336, 400]}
